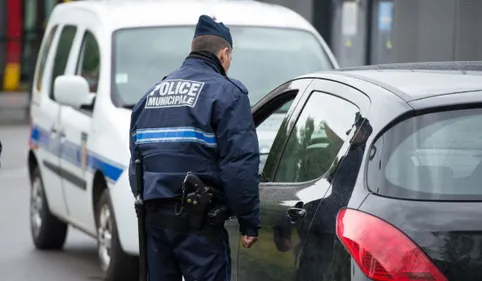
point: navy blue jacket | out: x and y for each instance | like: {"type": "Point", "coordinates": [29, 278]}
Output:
{"type": "Point", "coordinates": [197, 119]}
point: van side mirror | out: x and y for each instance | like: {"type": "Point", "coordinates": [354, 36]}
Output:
{"type": "Point", "coordinates": [72, 90]}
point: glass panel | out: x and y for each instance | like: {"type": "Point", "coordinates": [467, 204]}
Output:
{"type": "Point", "coordinates": [62, 56]}
{"type": "Point", "coordinates": [319, 134]}
{"type": "Point", "coordinates": [435, 156]}
{"type": "Point", "coordinates": [43, 58]}
{"type": "Point", "coordinates": [89, 61]}
{"type": "Point", "coordinates": [263, 57]}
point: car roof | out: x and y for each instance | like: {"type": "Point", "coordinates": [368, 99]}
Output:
{"type": "Point", "coordinates": [414, 81]}
{"type": "Point", "coordinates": [422, 80]}
{"type": "Point", "coordinates": [137, 13]}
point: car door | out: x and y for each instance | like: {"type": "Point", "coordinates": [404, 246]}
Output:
{"type": "Point", "coordinates": [320, 254]}
{"type": "Point", "coordinates": [76, 125]}
{"type": "Point", "coordinates": [294, 182]}
{"type": "Point", "coordinates": [44, 139]}
{"type": "Point", "coordinates": [272, 113]}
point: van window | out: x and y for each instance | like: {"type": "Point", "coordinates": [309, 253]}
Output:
{"type": "Point", "coordinates": [263, 57]}
{"type": "Point", "coordinates": [436, 156]}
{"type": "Point", "coordinates": [62, 54]}
{"type": "Point", "coordinates": [43, 56]}
{"type": "Point", "coordinates": [88, 65]}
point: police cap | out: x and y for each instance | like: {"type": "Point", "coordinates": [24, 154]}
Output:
{"type": "Point", "coordinates": [207, 26]}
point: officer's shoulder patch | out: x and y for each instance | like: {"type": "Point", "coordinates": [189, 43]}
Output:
{"type": "Point", "coordinates": [238, 84]}
{"type": "Point", "coordinates": [174, 93]}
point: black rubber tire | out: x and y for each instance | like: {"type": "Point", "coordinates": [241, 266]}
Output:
{"type": "Point", "coordinates": [53, 232]}
{"type": "Point", "coordinates": [122, 266]}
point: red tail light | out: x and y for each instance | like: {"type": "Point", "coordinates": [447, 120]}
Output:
{"type": "Point", "coordinates": [382, 251]}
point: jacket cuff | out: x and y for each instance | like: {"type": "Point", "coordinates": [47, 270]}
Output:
{"type": "Point", "coordinates": [251, 232]}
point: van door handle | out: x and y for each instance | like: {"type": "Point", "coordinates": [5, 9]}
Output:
{"type": "Point", "coordinates": [53, 130]}
{"type": "Point", "coordinates": [62, 135]}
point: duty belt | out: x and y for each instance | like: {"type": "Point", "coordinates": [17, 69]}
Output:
{"type": "Point", "coordinates": [156, 204]}
{"type": "Point", "coordinates": [164, 217]}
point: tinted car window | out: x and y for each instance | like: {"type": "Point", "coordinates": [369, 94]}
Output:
{"type": "Point", "coordinates": [263, 57]}
{"type": "Point", "coordinates": [320, 132]}
{"type": "Point", "coordinates": [268, 130]}
{"type": "Point", "coordinates": [43, 56]}
{"type": "Point", "coordinates": [436, 156]}
{"type": "Point", "coordinates": [89, 61]}
{"type": "Point", "coordinates": [62, 55]}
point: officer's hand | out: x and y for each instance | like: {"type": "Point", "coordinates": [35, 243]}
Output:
{"type": "Point", "coordinates": [248, 241]}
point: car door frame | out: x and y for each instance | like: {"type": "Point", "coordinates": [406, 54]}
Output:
{"type": "Point", "coordinates": [327, 86]}
{"type": "Point", "coordinates": [290, 90]}
{"type": "Point", "coordinates": [262, 110]}
{"type": "Point", "coordinates": [351, 94]}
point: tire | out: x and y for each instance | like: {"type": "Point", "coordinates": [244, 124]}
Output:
{"type": "Point", "coordinates": [47, 231]}
{"type": "Point", "coordinates": [115, 263]}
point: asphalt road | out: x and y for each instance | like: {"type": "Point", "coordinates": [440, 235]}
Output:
{"type": "Point", "coordinates": [19, 260]}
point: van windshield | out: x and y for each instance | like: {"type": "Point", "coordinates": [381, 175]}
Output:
{"type": "Point", "coordinates": [263, 58]}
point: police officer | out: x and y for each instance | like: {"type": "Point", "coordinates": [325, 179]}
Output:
{"type": "Point", "coordinates": [196, 120]}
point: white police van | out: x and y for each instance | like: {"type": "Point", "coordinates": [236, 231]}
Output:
{"type": "Point", "coordinates": [96, 60]}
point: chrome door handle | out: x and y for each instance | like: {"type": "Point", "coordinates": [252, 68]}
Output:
{"type": "Point", "coordinates": [295, 214]}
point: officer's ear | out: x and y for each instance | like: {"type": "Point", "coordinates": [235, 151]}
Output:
{"type": "Point", "coordinates": [225, 58]}
{"type": "Point", "coordinates": [224, 55]}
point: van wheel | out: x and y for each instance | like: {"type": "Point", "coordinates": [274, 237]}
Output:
{"type": "Point", "coordinates": [116, 265]}
{"type": "Point", "coordinates": [47, 231]}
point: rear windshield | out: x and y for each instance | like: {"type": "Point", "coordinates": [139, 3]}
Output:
{"type": "Point", "coordinates": [263, 57]}
{"type": "Point", "coordinates": [437, 156]}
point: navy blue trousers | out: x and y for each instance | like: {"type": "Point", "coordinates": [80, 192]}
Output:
{"type": "Point", "coordinates": [172, 253]}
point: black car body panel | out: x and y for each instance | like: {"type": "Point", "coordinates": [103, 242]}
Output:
{"type": "Point", "coordinates": [303, 245]}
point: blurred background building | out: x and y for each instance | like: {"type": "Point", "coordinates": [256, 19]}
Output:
{"type": "Point", "coordinates": [358, 31]}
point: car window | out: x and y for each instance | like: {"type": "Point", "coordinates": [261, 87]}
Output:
{"type": "Point", "coordinates": [268, 129]}
{"type": "Point", "coordinates": [319, 133]}
{"type": "Point", "coordinates": [62, 54]}
{"type": "Point", "coordinates": [267, 132]}
{"type": "Point", "coordinates": [436, 156]}
{"type": "Point", "coordinates": [88, 65]}
{"type": "Point", "coordinates": [43, 56]}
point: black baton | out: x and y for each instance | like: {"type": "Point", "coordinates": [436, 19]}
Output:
{"type": "Point", "coordinates": [141, 220]}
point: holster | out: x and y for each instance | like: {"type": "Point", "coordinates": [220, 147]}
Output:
{"type": "Point", "coordinates": [200, 204]}
{"type": "Point", "coordinates": [197, 207]}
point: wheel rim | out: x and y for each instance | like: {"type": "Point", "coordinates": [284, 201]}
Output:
{"type": "Point", "coordinates": [36, 206]}
{"type": "Point", "coordinates": [105, 236]}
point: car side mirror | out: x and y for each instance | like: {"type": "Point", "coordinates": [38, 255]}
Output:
{"type": "Point", "coordinates": [72, 90]}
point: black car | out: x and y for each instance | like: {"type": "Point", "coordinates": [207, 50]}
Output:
{"type": "Point", "coordinates": [375, 174]}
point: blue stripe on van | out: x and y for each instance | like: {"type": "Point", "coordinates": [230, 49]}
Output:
{"type": "Point", "coordinates": [72, 153]}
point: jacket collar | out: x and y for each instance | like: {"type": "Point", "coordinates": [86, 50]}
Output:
{"type": "Point", "coordinates": [208, 59]}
